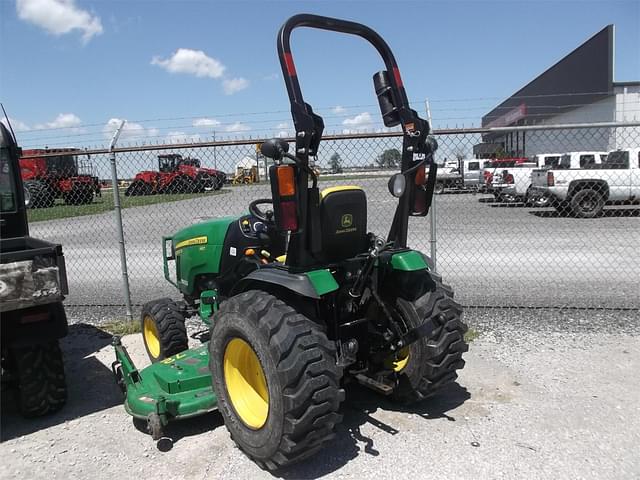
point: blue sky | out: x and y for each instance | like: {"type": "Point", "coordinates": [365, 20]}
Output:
{"type": "Point", "coordinates": [80, 64]}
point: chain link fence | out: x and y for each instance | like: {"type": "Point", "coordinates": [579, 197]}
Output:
{"type": "Point", "coordinates": [551, 220]}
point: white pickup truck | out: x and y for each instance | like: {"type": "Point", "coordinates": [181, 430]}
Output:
{"type": "Point", "coordinates": [464, 174]}
{"type": "Point", "coordinates": [585, 191]}
{"type": "Point", "coordinates": [514, 184]}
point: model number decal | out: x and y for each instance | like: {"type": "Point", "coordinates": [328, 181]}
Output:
{"type": "Point", "coordinates": [192, 241]}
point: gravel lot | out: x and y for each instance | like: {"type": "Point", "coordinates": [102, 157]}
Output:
{"type": "Point", "coordinates": [520, 256]}
{"type": "Point", "coordinates": [545, 394]}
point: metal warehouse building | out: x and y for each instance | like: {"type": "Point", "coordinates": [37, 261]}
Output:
{"type": "Point", "coordinates": [578, 89]}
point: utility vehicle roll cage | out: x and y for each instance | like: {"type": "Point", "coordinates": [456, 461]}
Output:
{"type": "Point", "coordinates": [309, 126]}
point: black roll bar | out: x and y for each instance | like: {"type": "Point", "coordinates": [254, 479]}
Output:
{"type": "Point", "coordinates": [309, 126]}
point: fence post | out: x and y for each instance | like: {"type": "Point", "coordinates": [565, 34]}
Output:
{"type": "Point", "coordinates": [118, 214]}
{"type": "Point", "coordinates": [432, 211]}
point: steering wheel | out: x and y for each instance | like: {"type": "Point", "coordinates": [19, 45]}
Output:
{"type": "Point", "coordinates": [266, 216]}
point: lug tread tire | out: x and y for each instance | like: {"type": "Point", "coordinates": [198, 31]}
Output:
{"type": "Point", "coordinates": [41, 378]}
{"type": "Point", "coordinates": [306, 377]}
{"type": "Point", "coordinates": [442, 348]}
{"type": "Point", "coordinates": [40, 193]}
{"type": "Point", "coordinates": [170, 322]}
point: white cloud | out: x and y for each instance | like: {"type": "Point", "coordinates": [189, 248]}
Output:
{"type": "Point", "coordinates": [238, 127]}
{"type": "Point", "coordinates": [338, 109]}
{"type": "Point", "coordinates": [63, 120]}
{"type": "Point", "coordinates": [284, 129]}
{"type": "Point", "coordinates": [191, 62]}
{"type": "Point", "coordinates": [205, 122]}
{"type": "Point", "coordinates": [16, 124]}
{"type": "Point", "coordinates": [233, 85]}
{"type": "Point", "coordinates": [177, 137]}
{"type": "Point", "coordinates": [131, 130]}
{"type": "Point", "coordinates": [59, 17]}
{"type": "Point", "coordinates": [359, 123]}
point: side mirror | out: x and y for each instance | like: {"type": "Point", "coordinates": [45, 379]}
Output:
{"type": "Point", "coordinates": [397, 185]}
{"type": "Point", "coordinates": [274, 148]}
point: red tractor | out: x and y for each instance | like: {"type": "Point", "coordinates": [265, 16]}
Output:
{"type": "Point", "coordinates": [176, 174]}
{"type": "Point", "coordinates": [67, 175]}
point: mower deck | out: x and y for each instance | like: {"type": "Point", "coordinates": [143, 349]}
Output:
{"type": "Point", "coordinates": [175, 388]}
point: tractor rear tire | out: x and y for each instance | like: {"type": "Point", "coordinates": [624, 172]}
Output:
{"type": "Point", "coordinates": [138, 188]}
{"type": "Point", "coordinates": [432, 361]}
{"type": "Point", "coordinates": [163, 329]}
{"type": "Point", "coordinates": [276, 378]}
{"type": "Point", "coordinates": [41, 380]}
{"type": "Point", "coordinates": [205, 183]}
{"type": "Point", "coordinates": [41, 195]}
{"type": "Point", "coordinates": [181, 185]}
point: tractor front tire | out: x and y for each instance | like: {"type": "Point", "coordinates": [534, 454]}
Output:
{"type": "Point", "coordinates": [41, 381]}
{"type": "Point", "coordinates": [276, 378]}
{"type": "Point", "coordinates": [163, 329]}
{"type": "Point", "coordinates": [431, 362]}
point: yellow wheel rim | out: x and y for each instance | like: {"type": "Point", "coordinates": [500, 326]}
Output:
{"type": "Point", "coordinates": [151, 336]}
{"type": "Point", "coordinates": [246, 383]}
{"type": "Point", "coordinates": [398, 363]}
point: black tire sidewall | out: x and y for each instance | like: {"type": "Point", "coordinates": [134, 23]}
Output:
{"type": "Point", "coordinates": [579, 197]}
{"type": "Point", "coordinates": [414, 370]}
{"type": "Point", "coordinates": [266, 440]}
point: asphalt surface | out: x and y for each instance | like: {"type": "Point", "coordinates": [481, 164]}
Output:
{"type": "Point", "coordinates": [493, 254]}
{"type": "Point", "coordinates": [547, 396]}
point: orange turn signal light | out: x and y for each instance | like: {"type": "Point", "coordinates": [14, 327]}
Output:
{"type": "Point", "coordinates": [286, 180]}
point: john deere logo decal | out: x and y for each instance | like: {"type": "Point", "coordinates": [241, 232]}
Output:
{"type": "Point", "coordinates": [347, 220]}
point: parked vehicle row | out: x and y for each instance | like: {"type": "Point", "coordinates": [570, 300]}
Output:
{"type": "Point", "coordinates": [467, 174]}
{"type": "Point", "coordinates": [514, 184]}
{"type": "Point", "coordinates": [585, 191]}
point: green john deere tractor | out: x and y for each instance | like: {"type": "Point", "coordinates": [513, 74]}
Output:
{"type": "Point", "coordinates": [299, 296]}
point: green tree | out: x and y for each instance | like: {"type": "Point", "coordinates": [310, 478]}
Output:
{"type": "Point", "coordinates": [390, 158]}
{"type": "Point", "coordinates": [335, 163]}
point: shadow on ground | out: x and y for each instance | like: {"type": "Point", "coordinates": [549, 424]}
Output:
{"type": "Point", "coordinates": [607, 213]}
{"type": "Point", "coordinates": [91, 385]}
{"type": "Point", "coordinates": [358, 408]}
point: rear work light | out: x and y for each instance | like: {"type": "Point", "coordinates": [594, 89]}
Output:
{"type": "Point", "coordinates": [283, 186]}
{"type": "Point", "coordinates": [551, 181]}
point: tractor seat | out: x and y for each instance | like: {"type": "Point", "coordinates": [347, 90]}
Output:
{"type": "Point", "coordinates": [343, 219]}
